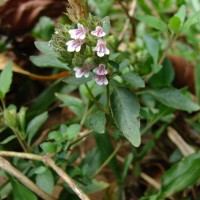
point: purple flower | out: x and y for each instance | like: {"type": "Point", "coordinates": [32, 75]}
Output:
{"type": "Point", "coordinates": [101, 48]}
{"type": "Point", "coordinates": [78, 33]}
{"type": "Point", "coordinates": [83, 71]}
{"type": "Point", "coordinates": [100, 70]}
{"type": "Point", "coordinates": [98, 32]}
{"type": "Point", "coordinates": [101, 79]}
{"type": "Point", "coordinates": [74, 45]}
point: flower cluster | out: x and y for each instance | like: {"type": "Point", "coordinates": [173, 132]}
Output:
{"type": "Point", "coordinates": [78, 37]}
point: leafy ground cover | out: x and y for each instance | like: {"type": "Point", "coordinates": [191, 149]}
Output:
{"type": "Point", "coordinates": [99, 100]}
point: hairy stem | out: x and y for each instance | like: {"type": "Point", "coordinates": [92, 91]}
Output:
{"type": "Point", "coordinates": [47, 160]}
{"type": "Point", "coordinates": [6, 166]}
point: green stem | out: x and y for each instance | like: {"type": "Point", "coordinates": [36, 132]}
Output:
{"type": "Point", "coordinates": [108, 98]}
{"type": "Point", "coordinates": [92, 96]}
{"type": "Point", "coordinates": [148, 126]}
{"type": "Point", "coordinates": [3, 104]}
{"type": "Point", "coordinates": [84, 115]}
{"type": "Point", "coordinates": [21, 142]}
{"type": "Point", "coordinates": [107, 161]}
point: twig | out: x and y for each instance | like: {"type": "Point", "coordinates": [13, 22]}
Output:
{"type": "Point", "coordinates": [131, 13]}
{"type": "Point", "coordinates": [51, 164]}
{"type": "Point", "coordinates": [184, 148]}
{"type": "Point", "coordinates": [6, 166]}
{"type": "Point", "coordinates": [132, 20]}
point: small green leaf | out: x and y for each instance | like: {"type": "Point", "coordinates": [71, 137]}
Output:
{"type": "Point", "coordinates": [192, 20]}
{"type": "Point", "coordinates": [75, 104]}
{"type": "Point", "coordinates": [8, 139]}
{"type": "Point", "coordinates": [48, 147]}
{"type": "Point", "coordinates": [152, 47]}
{"type": "Point", "coordinates": [181, 13]}
{"type": "Point", "coordinates": [40, 170]}
{"type": "Point", "coordinates": [10, 115]}
{"type": "Point", "coordinates": [175, 24]}
{"type": "Point", "coordinates": [45, 181]}
{"type": "Point", "coordinates": [45, 48]}
{"type": "Point", "coordinates": [55, 135]}
{"type": "Point", "coordinates": [173, 98]}
{"type": "Point", "coordinates": [106, 24]}
{"type": "Point", "coordinates": [72, 131]}
{"type": "Point", "coordinates": [78, 81]}
{"type": "Point", "coordinates": [96, 121]}
{"type": "Point", "coordinates": [21, 192]}
{"type": "Point", "coordinates": [5, 80]}
{"type": "Point", "coordinates": [153, 22]}
{"type": "Point", "coordinates": [48, 61]}
{"type": "Point", "coordinates": [133, 80]}
{"type": "Point", "coordinates": [34, 125]}
{"type": "Point", "coordinates": [126, 111]}
{"type": "Point", "coordinates": [44, 28]}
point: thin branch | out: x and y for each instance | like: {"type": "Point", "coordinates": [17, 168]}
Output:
{"type": "Point", "coordinates": [6, 166]}
{"type": "Point", "coordinates": [51, 164]}
{"type": "Point", "coordinates": [92, 96]}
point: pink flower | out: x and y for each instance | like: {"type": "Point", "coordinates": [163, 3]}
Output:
{"type": "Point", "coordinates": [78, 33]}
{"type": "Point", "coordinates": [74, 45]}
{"type": "Point", "coordinates": [100, 70]}
{"type": "Point", "coordinates": [83, 71]}
{"type": "Point", "coordinates": [101, 79]}
{"type": "Point", "coordinates": [101, 48]}
{"type": "Point", "coordinates": [98, 32]}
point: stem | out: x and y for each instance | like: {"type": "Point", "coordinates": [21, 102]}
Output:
{"type": "Point", "coordinates": [21, 142]}
{"type": "Point", "coordinates": [108, 97]}
{"type": "Point", "coordinates": [51, 164]}
{"type": "Point", "coordinates": [3, 104]}
{"type": "Point", "coordinates": [107, 161]}
{"type": "Point", "coordinates": [84, 115]}
{"type": "Point", "coordinates": [92, 96]}
{"type": "Point", "coordinates": [171, 40]}
{"type": "Point", "coordinates": [6, 166]}
{"type": "Point", "coordinates": [148, 126]}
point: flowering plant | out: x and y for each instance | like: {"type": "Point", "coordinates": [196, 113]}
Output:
{"type": "Point", "coordinates": [115, 120]}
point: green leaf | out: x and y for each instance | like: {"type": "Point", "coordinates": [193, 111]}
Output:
{"type": "Point", "coordinates": [101, 6]}
{"type": "Point", "coordinates": [48, 61]}
{"type": "Point", "coordinates": [160, 79]}
{"type": "Point", "coordinates": [94, 186]}
{"type": "Point", "coordinates": [44, 28]}
{"type": "Point", "coordinates": [75, 104]}
{"type": "Point", "coordinates": [22, 121]}
{"type": "Point", "coordinates": [55, 135]}
{"type": "Point", "coordinates": [45, 48]}
{"type": "Point", "coordinates": [152, 47]}
{"type": "Point", "coordinates": [192, 20]}
{"type": "Point", "coordinates": [181, 13]}
{"type": "Point", "coordinates": [21, 192]}
{"type": "Point", "coordinates": [175, 24]}
{"type": "Point", "coordinates": [34, 125]}
{"type": "Point", "coordinates": [173, 98]}
{"type": "Point", "coordinates": [127, 164]}
{"type": "Point", "coordinates": [72, 131]}
{"type": "Point", "coordinates": [126, 111]}
{"type": "Point", "coordinates": [5, 80]}
{"type": "Point", "coordinates": [133, 80]}
{"type": "Point", "coordinates": [153, 22]}
{"type": "Point", "coordinates": [45, 181]}
{"type": "Point", "coordinates": [8, 139]}
{"type": "Point", "coordinates": [78, 81]}
{"type": "Point", "coordinates": [48, 147]}
{"type": "Point", "coordinates": [106, 24]}
{"type": "Point", "coordinates": [180, 176]}
{"type": "Point", "coordinates": [96, 121]}
{"type": "Point", "coordinates": [197, 80]}
{"type": "Point", "coordinates": [10, 115]}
